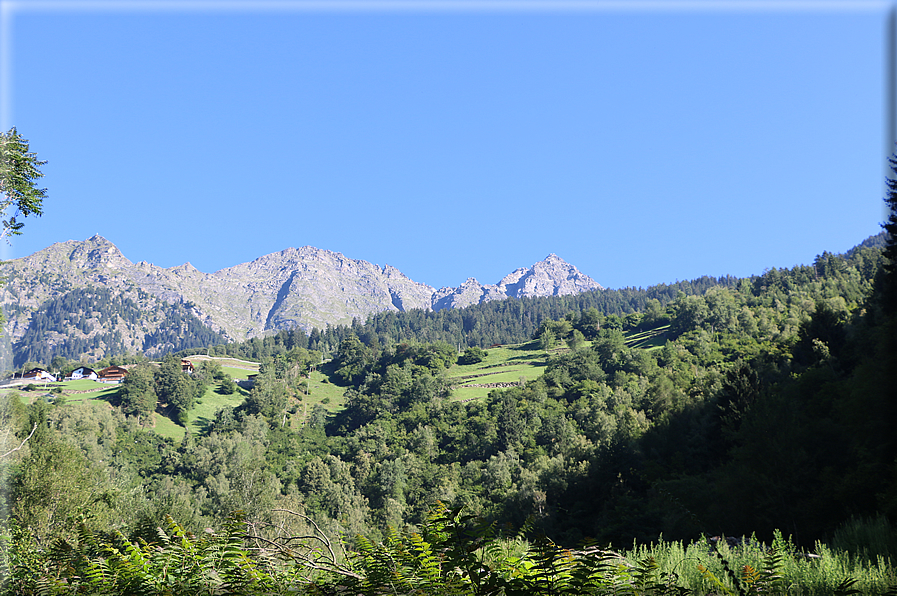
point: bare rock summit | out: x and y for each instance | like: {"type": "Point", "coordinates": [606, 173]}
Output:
{"type": "Point", "coordinates": [552, 276]}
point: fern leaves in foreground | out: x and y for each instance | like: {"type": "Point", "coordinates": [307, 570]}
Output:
{"type": "Point", "coordinates": [175, 563]}
{"type": "Point", "coordinates": [453, 554]}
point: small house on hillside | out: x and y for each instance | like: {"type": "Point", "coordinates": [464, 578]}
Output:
{"type": "Point", "coordinates": [186, 366]}
{"type": "Point", "coordinates": [113, 374]}
{"type": "Point", "coordinates": [38, 374]}
{"type": "Point", "coordinates": [84, 372]}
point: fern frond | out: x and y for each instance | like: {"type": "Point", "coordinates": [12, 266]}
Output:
{"type": "Point", "coordinates": [731, 573]}
{"type": "Point", "coordinates": [846, 587]}
{"type": "Point", "coordinates": [711, 577]}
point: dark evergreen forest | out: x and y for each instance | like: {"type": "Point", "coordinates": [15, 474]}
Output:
{"type": "Point", "coordinates": [85, 311]}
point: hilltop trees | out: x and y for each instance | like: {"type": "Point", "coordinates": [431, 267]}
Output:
{"type": "Point", "coordinates": [887, 341]}
{"type": "Point", "coordinates": [888, 279]}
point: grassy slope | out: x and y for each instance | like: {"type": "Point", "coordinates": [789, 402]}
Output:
{"type": "Point", "coordinates": [241, 367]}
{"type": "Point", "coordinates": [649, 340]}
{"type": "Point", "coordinates": [320, 391]}
{"type": "Point", "coordinates": [504, 364]}
{"type": "Point", "coordinates": [80, 390]}
{"type": "Point", "coordinates": [204, 410]}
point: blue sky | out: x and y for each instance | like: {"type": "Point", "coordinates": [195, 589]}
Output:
{"type": "Point", "coordinates": [642, 142]}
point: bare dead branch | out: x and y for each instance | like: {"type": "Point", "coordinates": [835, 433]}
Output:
{"type": "Point", "coordinates": [321, 562]}
{"type": "Point", "coordinates": [11, 451]}
{"type": "Point", "coordinates": [310, 557]}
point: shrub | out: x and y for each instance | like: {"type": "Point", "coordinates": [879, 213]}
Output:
{"type": "Point", "coordinates": [472, 355]}
{"type": "Point", "coordinates": [227, 387]}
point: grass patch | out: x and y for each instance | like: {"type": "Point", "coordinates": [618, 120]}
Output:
{"type": "Point", "coordinates": [320, 391]}
{"type": "Point", "coordinates": [503, 364]}
{"type": "Point", "coordinates": [82, 385]}
{"type": "Point", "coordinates": [203, 411]}
{"type": "Point", "coordinates": [241, 365]}
{"type": "Point", "coordinates": [167, 428]}
{"type": "Point", "coordinates": [648, 340]}
{"type": "Point", "coordinates": [103, 392]}
{"type": "Point", "coordinates": [73, 391]}
{"type": "Point", "coordinates": [239, 373]}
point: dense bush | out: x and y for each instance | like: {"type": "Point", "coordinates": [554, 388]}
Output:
{"type": "Point", "coordinates": [472, 355]}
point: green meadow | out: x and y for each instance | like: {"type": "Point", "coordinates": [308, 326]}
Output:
{"type": "Point", "coordinates": [503, 364]}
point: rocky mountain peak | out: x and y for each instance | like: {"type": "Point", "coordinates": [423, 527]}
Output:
{"type": "Point", "coordinates": [96, 255]}
{"type": "Point", "coordinates": [551, 276]}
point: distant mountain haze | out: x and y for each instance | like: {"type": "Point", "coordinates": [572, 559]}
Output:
{"type": "Point", "coordinates": [305, 287]}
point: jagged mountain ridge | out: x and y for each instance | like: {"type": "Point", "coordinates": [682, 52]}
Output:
{"type": "Point", "coordinates": [550, 277]}
{"type": "Point", "coordinates": [306, 287]}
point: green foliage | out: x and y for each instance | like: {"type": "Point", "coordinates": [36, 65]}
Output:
{"type": "Point", "coordinates": [268, 396]}
{"type": "Point", "coordinates": [211, 371]}
{"type": "Point", "coordinates": [19, 172]}
{"type": "Point", "coordinates": [227, 386]}
{"type": "Point", "coordinates": [174, 562]}
{"type": "Point", "coordinates": [350, 361]}
{"type": "Point", "coordinates": [576, 340]}
{"type": "Point", "coordinates": [452, 553]}
{"type": "Point", "coordinates": [867, 538]}
{"type": "Point", "coordinates": [472, 355]}
{"type": "Point", "coordinates": [54, 483]}
{"type": "Point", "coordinates": [137, 394]}
{"type": "Point", "coordinates": [457, 554]}
{"type": "Point", "coordinates": [177, 388]}
{"type": "Point", "coordinates": [754, 404]}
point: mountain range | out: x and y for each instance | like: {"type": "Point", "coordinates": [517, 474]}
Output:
{"type": "Point", "coordinates": [87, 297]}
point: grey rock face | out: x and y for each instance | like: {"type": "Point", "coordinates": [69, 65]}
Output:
{"type": "Point", "coordinates": [306, 287]}
{"type": "Point", "coordinates": [550, 277]}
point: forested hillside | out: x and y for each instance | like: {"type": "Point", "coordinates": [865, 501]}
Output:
{"type": "Point", "coordinates": [482, 325]}
{"type": "Point", "coordinates": [85, 316]}
{"type": "Point", "coordinates": [758, 404]}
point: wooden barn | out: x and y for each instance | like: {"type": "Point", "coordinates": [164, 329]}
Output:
{"type": "Point", "coordinates": [113, 374]}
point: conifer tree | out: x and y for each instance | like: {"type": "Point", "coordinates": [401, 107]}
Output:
{"type": "Point", "coordinates": [19, 171]}
{"type": "Point", "coordinates": [888, 281]}
{"type": "Point", "coordinates": [887, 300]}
